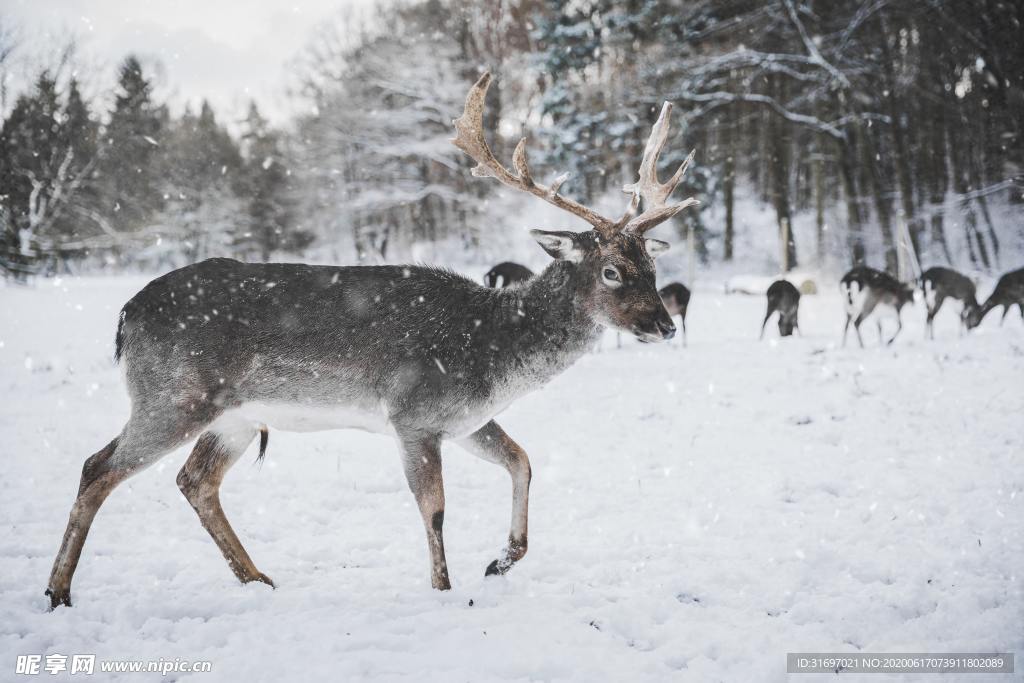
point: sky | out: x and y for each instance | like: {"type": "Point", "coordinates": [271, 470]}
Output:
{"type": "Point", "coordinates": [227, 51]}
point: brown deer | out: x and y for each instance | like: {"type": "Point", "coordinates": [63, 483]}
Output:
{"type": "Point", "coordinates": [220, 348]}
{"type": "Point", "coordinates": [1009, 291]}
{"type": "Point", "coordinates": [864, 289]}
{"type": "Point", "coordinates": [939, 284]}
{"type": "Point", "coordinates": [676, 298]}
{"type": "Point", "coordinates": [784, 297]}
{"type": "Point", "coordinates": [507, 273]}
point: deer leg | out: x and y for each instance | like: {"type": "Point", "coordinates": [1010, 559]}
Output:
{"type": "Point", "coordinates": [421, 459]}
{"type": "Point", "coordinates": [492, 444]}
{"type": "Point", "coordinates": [932, 312]}
{"type": "Point", "coordinates": [682, 322]}
{"type": "Point", "coordinates": [1006, 311]}
{"type": "Point", "coordinates": [846, 328]}
{"type": "Point", "coordinates": [199, 480]}
{"type": "Point", "coordinates": [140, 444]}
{"type": "Point", "coordinates": [899, 328]}
{"type": "Point", "coordinates": [856, 328]}
{"type": "Point", "coordinates": [769, 314]}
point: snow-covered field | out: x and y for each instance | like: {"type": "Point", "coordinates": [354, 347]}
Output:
{"type": "Point", "coordinates": [695, 514]}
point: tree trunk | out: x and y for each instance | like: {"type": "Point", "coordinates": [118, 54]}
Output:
{"type": "Point", "coordinates": [818, 169]}
{"type": "Point", "coordinates": [939, 185]}
{"type": "Point", "coordinates": [883, 209]}
{"type": "Point", "coordinates": [778, 134]}
{"type": "Point", "coordinates": [898, 112]}
{"type": "Point", "coordinates": [728, 192]}
{"type": "Point", "coordinates": [854, 230]}
{"type": "Point", "coordinates": [960, 157]}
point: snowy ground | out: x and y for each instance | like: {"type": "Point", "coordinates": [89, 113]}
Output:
{"type": "Point", "coordinates": [695, 513]}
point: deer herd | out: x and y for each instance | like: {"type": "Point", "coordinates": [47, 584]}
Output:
{"type": "Point", "coordinates": [216, 352]}
{"type": "Point", "coordinates": [864, 291]}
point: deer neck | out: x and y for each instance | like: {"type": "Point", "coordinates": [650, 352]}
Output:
{"type": "Point", "coordinates": [546, 318]}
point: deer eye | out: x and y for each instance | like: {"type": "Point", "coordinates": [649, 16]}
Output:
{"type": "Point", "coordinates": [611, 276]}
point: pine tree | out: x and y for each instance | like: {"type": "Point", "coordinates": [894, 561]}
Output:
{"type": "Point", "coordinates": [201, 178]}
{"type": "Point", "coordinates": [131, 191]}
{"type": "Point", "coordinates": [270, 216]}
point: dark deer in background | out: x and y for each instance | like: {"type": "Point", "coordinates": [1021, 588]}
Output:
{"type": "Point", "coordinates": [939, 284]}
{"type": "Point", "coordinates": [217, 349]}
{"type": "Point", "coordinates": [864, 289]}
{"type": "Point", "coordinates": [507, 273]}
{"type": "Point", "coordinates": [783, 297]}
{"type": "Point", "coordinates": [676, 298]}
{"type": "Point", "coordinates": [1009, 291]}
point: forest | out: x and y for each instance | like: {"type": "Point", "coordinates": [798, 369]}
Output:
{"type": "Point", "coordinates": [885, 124]}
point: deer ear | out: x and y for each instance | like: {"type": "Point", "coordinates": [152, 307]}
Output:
{"type": "Point", "coordinates": [656, 247]}
{"type": "Point", "coordinates": [560, 244]}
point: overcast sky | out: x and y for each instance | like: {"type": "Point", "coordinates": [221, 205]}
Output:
{"type": "Point", "coordinates": [224, 50]}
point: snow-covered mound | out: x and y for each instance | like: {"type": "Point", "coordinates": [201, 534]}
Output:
{"type": "Point", "coordinates": [695, 513]}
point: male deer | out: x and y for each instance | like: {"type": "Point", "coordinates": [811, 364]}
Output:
{"type": "Point", "coordinates": [864, 289]}
{"type": "Point", "coordinates": [217, 349]}
{"type": "Point", "coordinates": [1008, 292]}
{"type": "Point", "coordinates": [939, 284]}
{"type": "Point", "coordinates": [784, 297]}
{"type": "Point", "coordinates": [507, 273]}
{"type": "Point", "coordinates": [676, 298]}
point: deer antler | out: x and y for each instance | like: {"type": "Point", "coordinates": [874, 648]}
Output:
{"type": "Point", "coordinates": [469, 137]}
{"type": "Point", "coordinates": [648, 187]}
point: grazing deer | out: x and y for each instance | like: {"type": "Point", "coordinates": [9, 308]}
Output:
{"type": "Point", "coordinates": [509, 273]}
{"type": "Point", "coordinates": [784, 297]}
{"type": "Point", "coordinates": [217, 349]}
{"type": "Point", "coordinates": [1009, 291]}
{"type": "Point", "coordinates": [864, 289]}
{"type": "Point", "coordinates": [939, 284]}
{"type": "Point", "coordinates": [676, 298]}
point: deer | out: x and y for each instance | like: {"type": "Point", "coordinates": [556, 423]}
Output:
{"type": "Point", "coordinates": [676, 298]}
{"type": "Point", "coordinates": [216, 351]}
{"type": "Point", "coordinates": [939, 284]}
{"type": "Point", "coordinates": [1009, 291]}
{"type": "Point", "coordinates": [864, 289]}
{"type": "Point", "coordinates": [509, 272]}
{"type": "Point", "coordinates": [784, 298]}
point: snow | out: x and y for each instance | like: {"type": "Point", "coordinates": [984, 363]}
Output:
{"type": "Point", "coordinates": [695, 513]}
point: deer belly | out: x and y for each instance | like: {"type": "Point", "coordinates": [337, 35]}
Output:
{"type": "Point", "coordinates": [294, 417]}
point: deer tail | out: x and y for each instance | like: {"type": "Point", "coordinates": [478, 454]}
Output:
{"type": "Point", "coordinates": [264, 438]}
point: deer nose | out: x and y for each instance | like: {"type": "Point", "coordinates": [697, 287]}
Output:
{"type": "Point", "coordinates": [667, 329]}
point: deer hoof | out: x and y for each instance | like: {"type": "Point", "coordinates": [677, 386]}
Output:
{"type": "Point", "coordinates": [262, 578]}
{"type": "Point", "coordinates": [499, 567]}
{"type": "Point", "coordinates": [58, 598]}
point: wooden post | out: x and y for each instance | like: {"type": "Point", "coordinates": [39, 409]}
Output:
{"type": "Point", "coordinates": [907, 266]}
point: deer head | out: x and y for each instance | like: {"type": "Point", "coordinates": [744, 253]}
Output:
{"type": "Point", "coordinates": [615, 260]}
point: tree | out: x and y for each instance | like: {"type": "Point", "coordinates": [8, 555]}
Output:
{"type": "Point", "coordinates": [131, 188]}
{"type": "Point", "coordinates": [45, 163]}
{"type": "Point", "coordinates": [270, 214]}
